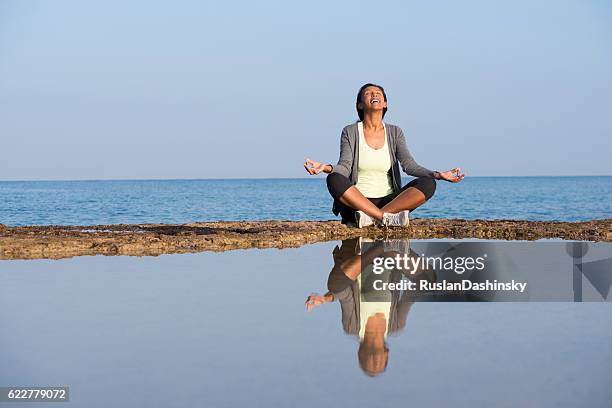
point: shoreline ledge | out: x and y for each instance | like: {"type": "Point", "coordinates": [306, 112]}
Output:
{"type": "Point", "coordinates": [55, 242]}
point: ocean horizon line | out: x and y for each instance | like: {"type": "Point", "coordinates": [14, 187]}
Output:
{"type": "Point", "coordinates": [264, 178]}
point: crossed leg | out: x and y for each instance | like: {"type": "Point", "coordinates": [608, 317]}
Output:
{"type": "Point", "coordinates": [409, 199]}
{"type": "Point", "coordinates": [353, 198]}
{"type": "Point", "coordinates": [413, 195]}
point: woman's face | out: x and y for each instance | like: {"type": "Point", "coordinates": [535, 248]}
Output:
{"type": "Point", "coordinates": [372, 99]}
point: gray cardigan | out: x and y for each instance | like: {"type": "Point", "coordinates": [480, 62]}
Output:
{"type": "Point", "coordinates": [349, 156]}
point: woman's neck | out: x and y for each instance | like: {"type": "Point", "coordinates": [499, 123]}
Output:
{"type": "Point", "coordinates": [372, 120]}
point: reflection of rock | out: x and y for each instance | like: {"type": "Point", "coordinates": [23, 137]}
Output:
{"type": "Point", "coordinates": [156, 239]}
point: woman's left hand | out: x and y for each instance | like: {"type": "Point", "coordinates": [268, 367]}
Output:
{"type": "Point", "coordinates": [454, 175]}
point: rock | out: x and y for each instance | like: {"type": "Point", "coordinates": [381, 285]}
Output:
{"type": "Point", "coordinates": [156, 239]}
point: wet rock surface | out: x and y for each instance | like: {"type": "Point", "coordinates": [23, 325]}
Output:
{"type": "Point", "coordinates": [54, 242]}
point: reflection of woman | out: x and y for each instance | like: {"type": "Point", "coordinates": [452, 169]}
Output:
{"type": "Point", "coordinates": [366, 182]}
{"type": "Point", "coordinates": [371, 319]}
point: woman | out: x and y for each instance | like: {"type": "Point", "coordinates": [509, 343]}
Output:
{"type": "Point", "coordinates": [366, 182]}
{"type": "Point", "coordinates": [370, 314]}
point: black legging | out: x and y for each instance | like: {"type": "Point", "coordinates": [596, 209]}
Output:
{"type": "Point", "coordinates": [337, 184]}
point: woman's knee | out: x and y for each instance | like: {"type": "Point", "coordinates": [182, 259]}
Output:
{"type": "Point", "coordinates": [427, 186]}
{"type": "Point", "coordinates": [337, 184]}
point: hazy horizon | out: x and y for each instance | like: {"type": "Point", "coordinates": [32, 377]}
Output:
{"type": "Point", "coordinates": [306, 177]}
{"type": "Point", "coordinates": [207, 90]}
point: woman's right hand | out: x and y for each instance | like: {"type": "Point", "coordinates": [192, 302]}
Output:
{"type": "Point", "coordinates": [313, 167]}
{"type": "Point", "coordinates": [315, 300]}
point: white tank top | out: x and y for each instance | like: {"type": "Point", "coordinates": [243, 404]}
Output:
{"type": "Point", "coordinates": [373, 178]}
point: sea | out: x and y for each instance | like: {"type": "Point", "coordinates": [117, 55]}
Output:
{"type": "Point", "coordinates": [232, 329]}
{"type": "Point", "coordinates": [95, 202]}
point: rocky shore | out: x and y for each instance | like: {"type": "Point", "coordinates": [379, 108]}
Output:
{"type": "Point", "coordinates": [54, 242]}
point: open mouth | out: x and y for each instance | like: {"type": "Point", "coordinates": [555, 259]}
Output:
{"type": "Point", "coordinates": [374, 101]}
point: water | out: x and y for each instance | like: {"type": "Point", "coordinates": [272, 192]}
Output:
{"type": "Point", "coordinates": [182, 201]}
{"type": "Point", "coordinates": [230, 329]}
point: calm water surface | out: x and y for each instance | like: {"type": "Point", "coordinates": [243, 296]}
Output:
{"type": "Point", "coordinates": [230, 329]}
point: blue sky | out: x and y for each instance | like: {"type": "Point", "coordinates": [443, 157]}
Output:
{"type": "Point", "coordinates": [141, 89]}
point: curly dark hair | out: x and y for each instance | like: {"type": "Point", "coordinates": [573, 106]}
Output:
{"type": "Point", "coordinates": [360, 111]}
